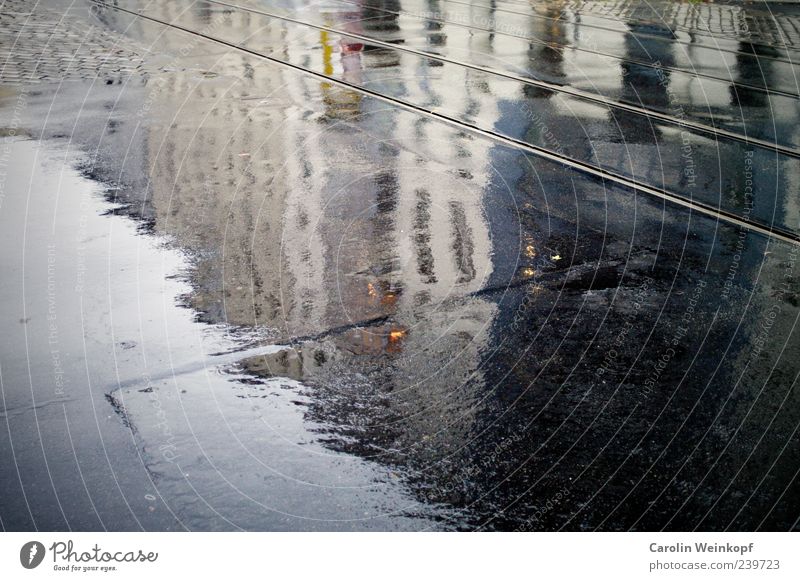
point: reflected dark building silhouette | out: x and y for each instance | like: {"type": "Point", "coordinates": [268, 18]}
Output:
{"type": "Point", "coordinates": [648, 83]}
{"type": "Point", "coordinates": [747, 69]}
{"type": "Point", "coordinates": [380, 16]}
{"type": "Point", "coordinates": [548, 58]}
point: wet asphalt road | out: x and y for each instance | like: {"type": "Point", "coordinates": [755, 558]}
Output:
{"type": "Point", "coordinates": [399, 265]}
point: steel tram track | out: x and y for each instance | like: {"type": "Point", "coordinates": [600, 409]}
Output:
{"type": "Point", "coordinates": [552, 87]}
{"type": "Point", "coordinates": [604, 54]}
{"type": "Point", "coordinates": [778, 233]}
{"type": "Point", "coordinates": [700, 32]}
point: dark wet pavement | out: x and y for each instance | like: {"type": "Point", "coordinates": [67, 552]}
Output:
{"type": "Point", "coordinates": [370, 282]}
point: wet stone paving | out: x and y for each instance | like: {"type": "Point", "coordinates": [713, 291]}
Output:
{"type": "Point", "coordinates": [39, 45]}
{"type": "Point", "coordinates": [399, 265]}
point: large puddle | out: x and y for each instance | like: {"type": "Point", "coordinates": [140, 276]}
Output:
{"type": "Point", "coordinates": [237, 297]}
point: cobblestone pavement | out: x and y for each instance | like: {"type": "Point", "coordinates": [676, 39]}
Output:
{"type": "Point", "coordinates": [46, 45]}
{"type": "Point", "coordinates": [755, 22]}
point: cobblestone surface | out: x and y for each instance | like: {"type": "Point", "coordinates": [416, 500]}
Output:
{"type": "Point", "coordinates": [761, 23]}
{"type": "Point", "coordinates": [45, 45]}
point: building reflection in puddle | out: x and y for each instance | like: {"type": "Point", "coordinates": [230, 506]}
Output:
{"type": "Point", "coordinates": [373, 241]}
